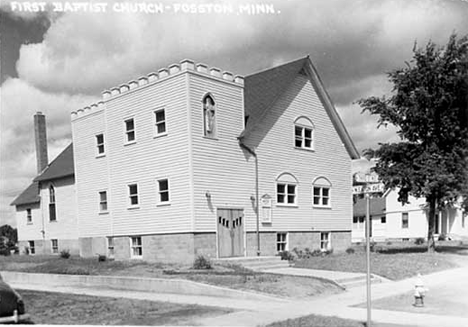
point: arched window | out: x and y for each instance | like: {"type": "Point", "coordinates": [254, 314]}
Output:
{"type": "Point", "coordinates": [322, 192]}
{"type": "Point", "coordinates": [304, 133]}
{"type": "Point", "coordinates": [286, 190]}
{"type": "Point", "coordinates": [209, 116]}
{"type": "Point", "coordinates": [52, 210]}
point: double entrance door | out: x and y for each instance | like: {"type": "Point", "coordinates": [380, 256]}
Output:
{"type": "Point", "coordinates": [230, 232]}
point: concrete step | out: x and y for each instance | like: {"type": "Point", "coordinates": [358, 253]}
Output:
{"type": "Point", "coordinates": [357, 281]}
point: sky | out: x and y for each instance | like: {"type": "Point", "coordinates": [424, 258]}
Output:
{"type": "Point", "coordinates": [59, 59]}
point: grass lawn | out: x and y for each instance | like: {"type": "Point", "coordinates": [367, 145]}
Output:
{"type": "Point", "coordinates": [322, 321]}
{"type": "Point", "coordinates": [227, 276]}
{"type": "Point", "coordinates": [395, 262]}
{"type": "Point", "coordinates": [67, 309]}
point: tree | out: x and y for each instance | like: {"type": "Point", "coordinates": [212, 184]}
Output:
{"type": "Point", "coordinates": [429, 107]}
{"type": "Point", "coordinates": [10, 233]}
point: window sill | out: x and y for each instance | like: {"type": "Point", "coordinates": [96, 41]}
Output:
{"type": "Point", "coordinates": [29, 223]}
{"type": "Point", "coordinates": [133, 207]}
{"type": "Point", "coordinates": [156, 136]}
{"type": "Point", "coordinates": [287, 205]}
{"type": "Point", "coordinates": [140, 257]}
{"type": "Point", "coordinates": [101, 155]}
{"type": "Point", "coordinates": [322, 207]}
{"type": "Point", "coordinates": [104, 212]}
{"type": "Point", "coordinates": [210, 138]}
{"type": "Point", "coordinates": [52, 221]}
{"type": "Point", "coordinates": [163, 204]}
{"type": "Point", "coordinates": [305, 149]}
{"type": "Point", "coordinates": [129, 143]}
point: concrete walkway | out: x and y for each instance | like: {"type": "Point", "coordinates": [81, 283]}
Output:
{"type": "Point", "coordinates": [256, 312]}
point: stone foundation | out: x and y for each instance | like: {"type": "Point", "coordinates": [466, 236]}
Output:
{"type": "Point", "coordinates": [44, 247]}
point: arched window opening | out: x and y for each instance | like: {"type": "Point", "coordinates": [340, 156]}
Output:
{"type": "Point", "coordinates": [209, 116]}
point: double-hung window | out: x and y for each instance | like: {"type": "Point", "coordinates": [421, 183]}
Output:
{"type": "Point", "coordinates": [32, 247]}
{"type": "Point", "coordinates": [28, 216]}
{"type": "Point", "coordinates": [52, 209]}
{"type": "Point", "coordinates": [281, 242]}
{"type": "Point", "coordinates": [110, 247]}
{"type": "Point", "coordinates": [133, 195]}
{"type": "Point", "coordinates": [163, 191]}
{"type": "Point", "coordinates": [404, 220]}
{"type": "Point", "coordinates": [100, 144]}
{"type": "Point", "coordinates": [130, 131]}
{"type": "Point", "coordinates": [304, 133]}
{"type": "Point", "coordinates": [103, 201]}
{"type": "Point", "coordinates": [54, 246]}
{"type": "Point", "coordinates": [325, 241]}
{"type": "Point", "coordinates": [160, 122]}
{"type": "Point", "coordinates": [321, 189]}
{"type": "Point", "coordinates": [286, 190]}
{"type": "Point", "coordinates": [137, 247]}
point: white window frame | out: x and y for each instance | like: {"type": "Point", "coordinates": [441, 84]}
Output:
{"type": "Point", "coordinates": [54, 247]}
{"type": "Point", "coordinates": [213, 132]}
{"type": "Point", "coordinates": [136, 247]}
{"type": "Point", "coordinates": [132, 195]}
{"type": "Point", "coordinates": [282, 239]}
{"type": "Point", "coordinates": [321, 197]}
{"type": "Point", "coordinates": [100, 145]}
{"type": "Point", "coordinates": [286, 194]}
{"type": "Point", "coordinates": [32, 247]}
{"type": "Point", "coordinates": [129, 132]}
{"type": "Point", "coordinates": [325, 242]}
{"type": "Point", "coordinates": [52, 204]}
{"type": "Point", "coordinates": [103, 202]}
{"type": "Point", "coordinates": [360, 222]}
{"type": "Point", "coordinates": [110, 247]}
{"type": "Point", "coordinates": [160, 202]}
{"type": "Point", "coordinates": [29, 216]}
{"type": "Point", "coordinates": [158, 123]}
{"type": "Point", "coordinates": [304, 125]}
{"type": "Point", "coordinates": [403, 214]}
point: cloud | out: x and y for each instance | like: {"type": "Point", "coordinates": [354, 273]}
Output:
{"type": "Point", "coordinates": [19, 102]}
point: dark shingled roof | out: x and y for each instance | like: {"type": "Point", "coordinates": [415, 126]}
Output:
{"type": "Point", "coordinates": [62, 166]}
{"type": "Point", "coordinates": [377, 207]}
{"type": "Point", "coordinates": [261, 91]}
{"type": "Point", "coordinates": [29, 195]}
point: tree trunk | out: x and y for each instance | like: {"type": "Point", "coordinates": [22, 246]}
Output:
{"type": "Point", "coordinates": [431, 224]}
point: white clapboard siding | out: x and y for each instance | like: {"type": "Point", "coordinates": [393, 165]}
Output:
{"type": "Point", "coordinates": [29, 231]}
{"type": "Point", "coordinates": [65, 225]}
{"type": "Point", "coordinates": [149, 159]}
{"type": "Point", "coordinates": [91, 173]}
{"type": "Point", "coordinates": [274, 139]}
{"type": "Point", "coordinates": [219, 165]}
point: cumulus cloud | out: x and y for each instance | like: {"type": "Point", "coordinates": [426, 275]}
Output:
{"type": "Point", "coordinates": [19, 102]}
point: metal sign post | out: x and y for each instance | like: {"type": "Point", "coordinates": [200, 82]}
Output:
{"type": "Point", "coordinates": [369, 184]}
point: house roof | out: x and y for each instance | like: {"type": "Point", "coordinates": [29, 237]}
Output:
{"type": "Point", "coordinates": [29, 196]}
{"type": "Point", "coordinates": [62, 166]}
{"type": "Point", "coordinates": [377, 207]}
{"type": "Point", "coordinates": [263, 89]}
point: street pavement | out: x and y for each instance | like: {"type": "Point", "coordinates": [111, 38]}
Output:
{"type": "Point", "coordinates": [259, 313]}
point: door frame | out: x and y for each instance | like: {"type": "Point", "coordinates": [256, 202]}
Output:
{"type": "Point", "coordinates": [244, 232]}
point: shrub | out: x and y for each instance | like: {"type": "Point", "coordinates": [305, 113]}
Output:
{"type": "Point", "coordinates": [389, 243]}
{"type": "Point", "coordinates": [202, 263]}
{"type": "Point", "coordinates": [65, 254]}
{"type": "Point", "coordinates": [419, 241]}
{"type": "Point", "coordinates": [286, 255]}
{"type": "Point", "coordinates": [26, 250]}
{"type": "Point", "coordinates": [101, 258]}
{"type": "Point", "coordinates": [350, 251]}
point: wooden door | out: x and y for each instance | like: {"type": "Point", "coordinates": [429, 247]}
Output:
{"type": "Point", "coordinates": [230, 232]}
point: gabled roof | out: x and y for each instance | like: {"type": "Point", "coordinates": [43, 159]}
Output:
{"type": "Point", "coordinates": [262, 90]}
{"type": "Point", "coordinates": [29, 196]}
{"type": "Point", "coordinates": [377, 207]}
{"type": "Point", "coordinates": [62, 166]}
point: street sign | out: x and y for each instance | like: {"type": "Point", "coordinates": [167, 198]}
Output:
{"type": "Point", "coordinates": [368, 188]}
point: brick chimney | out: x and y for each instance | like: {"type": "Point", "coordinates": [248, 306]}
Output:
{"type": "Point", "coordinates": [40, 135]}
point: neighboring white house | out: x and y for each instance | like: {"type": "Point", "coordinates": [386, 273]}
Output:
{"type": "Point", "coordinates": [174, 164]}
{"type": "Point", "coordinates": [391, 220]}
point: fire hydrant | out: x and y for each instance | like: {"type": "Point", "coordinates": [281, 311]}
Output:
{"type": "Point", "coordinates": [419, 292]}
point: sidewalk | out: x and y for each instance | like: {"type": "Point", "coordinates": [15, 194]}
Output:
{"type": "Point", "coordinates": [261, 311]}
